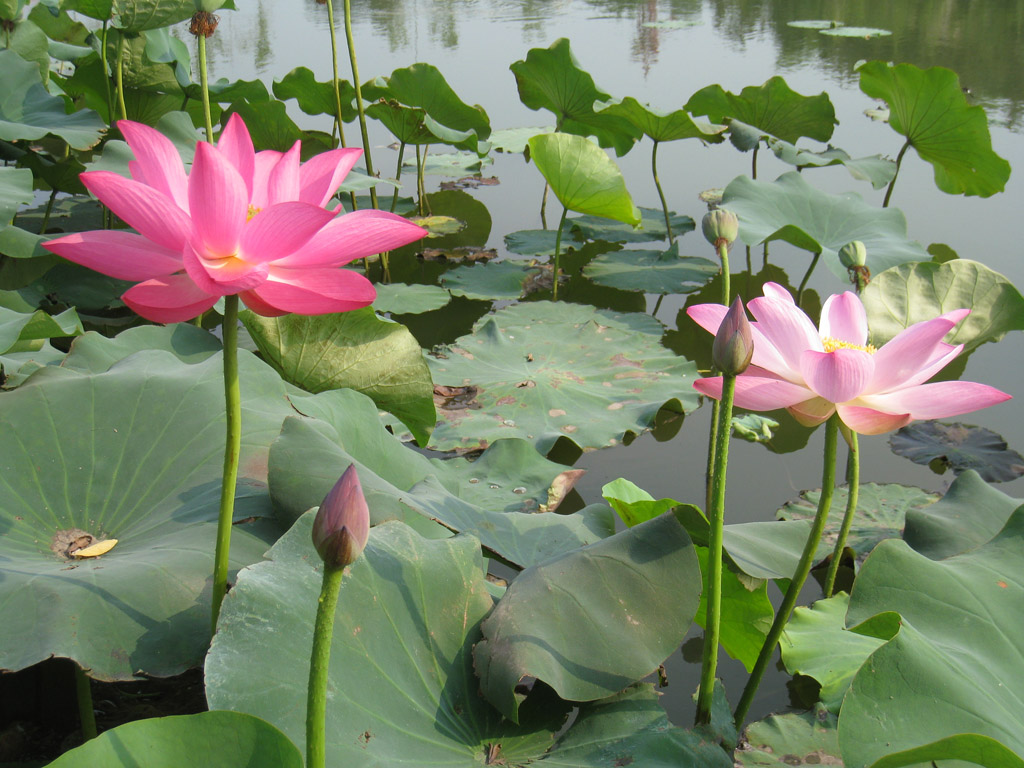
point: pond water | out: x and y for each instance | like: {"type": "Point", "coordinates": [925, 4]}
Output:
{"type": "Point", "coordinates": [661, 52]}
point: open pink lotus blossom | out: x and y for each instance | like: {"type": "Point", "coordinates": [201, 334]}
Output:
{"type": "Point", "coordinates": [815, 372]}
{"type": "Point", "coordinates": [241, 222]}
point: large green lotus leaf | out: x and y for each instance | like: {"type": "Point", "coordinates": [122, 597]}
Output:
{"type": "Point", "coordinates": [881, 510]}
{"type": "Point", "coordinates": [583, 177]}
{"type": "Point", "coordinates": [652, 227]}
{"type": "Point", "coordinates": [406, 123]}
{"type": "Point", "coordinates": [970, 514]}
{"type": "Point", "coordinates": [268, 124]}
{"type": "Point", "coordinates": [94, 353]}
{"type": "Point", "coordinates": [547, 370]}
{"type": "Point", "coordinates": [139, 15]}
{"type": "Point", "coordinates": [660, 126]}
{"type": "Point", "coordinates": [224, 739]}
{"type": "Point", "coordinates": [132, 454]}
{"type": "Point", "coordinates": [791, 740]}
{"type": "Point", "coordinates": [951, 669]}
{"type": "Point", "coordinates": [817, 643]}
{"type": "Point", "coordinates": [503, 280]}
{"type": "Point", "coordinates": [15, 191]}
{"type": "Point", "coordinates": [876, 169]}
{"type": "Point", "coordinates": [422, 85]}
{"type": "Point", "coordinates": [911, 293]}
{"type": "Point", "coordinates": [16, 367]}
{"type": "Point", "coordinates": [959, 447]}
{"type": "Point", "coordinates": [792, 210]}
{"type": "Point", "coordinates": [31, 43]}
{"type": "Point", "coordinates": [651, 271]}
{"type": "Point", "coordinates": [746, 613]}
{"type": "Point", "coordinates": [21, 332]}
{"type": "Point", "coordinates": [28, 111]}
{"type": "Point", "coordinates": [314, 97]}
{"type": "Point", "coordinates": [403, 691]}
{"type": "Point", "coordinates": [357, 350]}
{"type": "Point", "coordinates": [405, 299]}
{"type": "Point", "coordinates": [773, 108]}
{"type": "Point", "coordinates": [550, 78]}
{"type": "Point", "coordinates": [593, 621]}
{"type": "Point", "coordinates": [310, 454]}
{"type": "Point", "coordinates": [631, 728]}
{"type": "Point", "coordinates": [929, 108]}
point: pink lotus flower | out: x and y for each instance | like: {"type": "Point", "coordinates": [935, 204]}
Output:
{"type": "Point", "coordinates": [815, 372]}
{"type": "Point", "coordinates": [242, 222]}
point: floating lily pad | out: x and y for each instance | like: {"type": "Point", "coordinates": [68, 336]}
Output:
{"type": "Point", "coordinates": [614, 600]}
{"type": "Point", "coordinates": [817, 643]}
{"type": "Point", "coordinates": [537, 242]}
{"type": "Point", "coordinates": [546, 370]}
{"type": "Point", "coordinates": [502, 280]}
{"type": "Point", "coordinates": [912, 293]}
{"type": "Point", "coordinates": [791, 740]}
{"type": "Point", "coordinates": [929, 108]}
{"type": "Point", "coordinates": [881, 511]}
{"type": "Point", "coordinates": [944, 679]}
{"type": "Point", "coordinates": [971, 513]}
{"type": "Point", "coordinates": [225, 739]}
{"type": "Point", "coordinates": [958, 447]}
{"type": "Point", "coordinates": [864, 32]}
{"type": "Point", "coordinates": [357, 350]}
{"type": "Point", "coordinates": [405, 299]}
{"type": "Point", "coordinates": [792, 210]}
{"type": "Point", "coordinates": [450, 163]}
{"type": "Point", "coordinates": [652, 227]}
{"type": "Point", "coordinates": [814, 24]}
{"type": "Point", "coordinates": [513, 140]}
{"type": "Point", "coordinates": [134, 454]}
{"type": "Point", "coordinates": [662, 272]}
{"type": "Point", "coordinates": [439, 226]}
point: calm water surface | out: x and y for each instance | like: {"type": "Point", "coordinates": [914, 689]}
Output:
{"type": "Point", "coordinates": [661, 52]}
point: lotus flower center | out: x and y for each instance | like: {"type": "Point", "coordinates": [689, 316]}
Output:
{"type": "Point", "coordinates": [831, 344]}
{"type": "Point", "coordinates": [253, 210]}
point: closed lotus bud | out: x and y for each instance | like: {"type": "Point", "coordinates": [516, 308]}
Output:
{"type": "Point", "coordinates": [720, 227]}
{"type": "Point", "coordinates": [853, 255]}
{"type": "Point", "coordinates": [734, 342]}
{"type": "Point", "coordinates": [342, 524]}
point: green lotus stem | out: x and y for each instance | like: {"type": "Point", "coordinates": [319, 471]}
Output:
{"type": "Point", "coordinates": [398, 174]}
{"type": "Point", "coordinates": [764, 256]}
{"type": "Point", "coordinates": [337, 86]}
{"type": "Point", "coordinates": [723, 255]}
{"type": "Point", "coordinates": [232, 448]}
{"type": "Point", "coordinates": [807, 276]}
{"type": "Point", "coordinates": [544, 206]}
{"type": "Point", "coordinates": [120, 77]}
{"type": "Point", "coordinates": [205, 86]}
{"type": "Point", "coordinates": [750, 267]}
{"type": "Point", "coordinates": [753, 162]}
{"type": "Point", "coordinates": [716, 514]}
{"type": "Point", "coordinates": [106, 71]}
{"type": "Point", "coordinates": [49, 209]}
{"type": "Point", "coordinates": [558, 246]}
{"type": "Point", "coordinates": [661, 193]}
{"type": "Point", "coordinates": [803, 568]}
{"type": "Point", "coordinates": [709, 470]}
{"type": "Point", "coordinates": [853, 492]}
{"type": "Point", "coordinates": [359, 99]}
{"type": "Point", "coordinates": [319, 662]}
{"type": "Point", "coordinates": [899, 160]}
{"type": "Point", "coordinates": [86, 714]}
{"type": "Point", "coordinates": [657, 305]}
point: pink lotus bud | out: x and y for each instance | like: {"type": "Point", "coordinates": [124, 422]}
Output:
{"type": "Point", "coordinates": [734, 342]}
{"type": "Point", "coordinates": [342, 524]}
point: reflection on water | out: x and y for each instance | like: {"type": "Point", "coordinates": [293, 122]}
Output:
{"type": "Point", "coordinates": [979, 39]}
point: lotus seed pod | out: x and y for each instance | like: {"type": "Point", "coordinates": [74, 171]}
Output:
{"type": "Point", "coordinates": [342, 524]}
{"type": "Point", "coordinates": [720, 227]}
{"type": "Point", "coordinates": [853, 254]}
{"type": "Point", "coordinates": [734, 342]}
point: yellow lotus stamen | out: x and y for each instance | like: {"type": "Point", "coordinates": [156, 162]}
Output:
{"type": "Point", "coordinates": [831, 344]}
{"type": "Point", "coordinates": [253, 210]}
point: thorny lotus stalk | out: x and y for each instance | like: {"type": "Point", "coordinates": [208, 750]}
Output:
{"type": "Point", "coordinates": [853, 494]}
{"type": "Point", "coordinates": [86, 714]}
{"type": "Point", "coordinates": [803, 568]}
{"type": "Point", "coordinates": [202, 26]}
